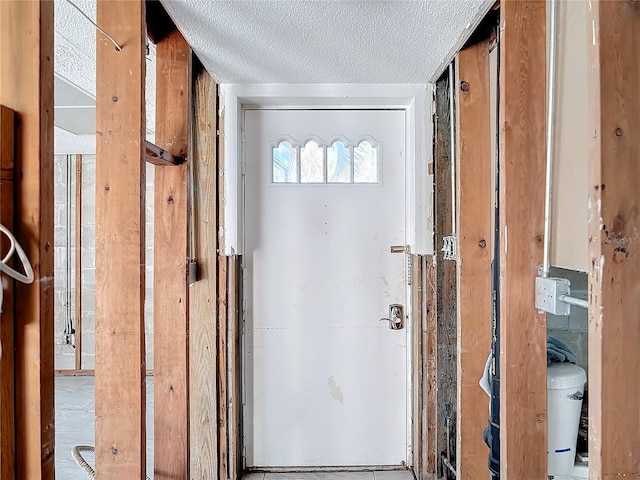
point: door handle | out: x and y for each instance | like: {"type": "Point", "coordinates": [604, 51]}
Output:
{"type": "Point", "coordinates": [396, 317]}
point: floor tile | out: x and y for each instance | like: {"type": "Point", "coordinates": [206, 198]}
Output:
{"type": "Point", "coordinates": [393, 475]}
{"type": "Point", "coordinates": [320, 476]}
{"type": "Point", "coordinates": [75, 423]}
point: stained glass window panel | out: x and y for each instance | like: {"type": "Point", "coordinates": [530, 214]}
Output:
{"type": "Point", "coordinates": [285, 163]}
{"type": "Point", "coordinates": [311, 163]}
{"type": "Point", "coordinates": [365, 163]}
{"type": "Point", "coordinates": [338, 163]}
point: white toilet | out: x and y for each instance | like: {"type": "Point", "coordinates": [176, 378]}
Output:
{"type": "Point", "coordinates": [565, 388]}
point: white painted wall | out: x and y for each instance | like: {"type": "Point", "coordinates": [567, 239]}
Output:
{"type": "Point", "coordinates": [570, 186]}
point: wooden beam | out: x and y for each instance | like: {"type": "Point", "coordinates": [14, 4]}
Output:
{"type": "Point", "coordinates": [120, 243]}
{"type": "Point", "coordinates": [203, 401]}
{"type": "Point", "coordinates": [158, 155]}
{"type": "Point", "coordinates": [475, 207]}
{"type": "Point", "coordinates": [523, 345]}
{"type": "Point", "coordinates": [614, 246]}
{"type": "Point", "coordinates": [223, 444]}
{"type": "Point", "coordinates": [78, 255]}
{"type": "Point", "coordinates": [26, 86]}
{"type": "Point", "coordinates": [7, 317]}
{"type": "Point", "coordinates": [446, 336]}
{"type": "Point", "coordinates": [430, 384]}
{"type": "Point", "coordinates": [170, 301]}
{"type": "Point", "coordinates": [234, 368]}
{"type": "Point", "coordinates": [417, 367]}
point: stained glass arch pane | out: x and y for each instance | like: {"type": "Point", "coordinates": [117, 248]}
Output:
{"type": "Point", "coordinates": [311, 163]}
{"type": "Point", "coordinates": [365, 163]}
{"type": "Point", "coordinates": [338, 163]}
{"type": "Point", "coordinates": [285, 163]}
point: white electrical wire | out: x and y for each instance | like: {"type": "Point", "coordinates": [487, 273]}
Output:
{"type": "Point", "coordinates": [26, 277]}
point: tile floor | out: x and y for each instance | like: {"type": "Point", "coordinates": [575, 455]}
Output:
{"type": "Point", "coordinates": [75, 423]}
{"type": "Point", "coordinates": [75, 417]}
{"type": "Point", "coordinates": [368, 475]}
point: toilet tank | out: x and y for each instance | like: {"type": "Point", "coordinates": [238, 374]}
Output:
{"type": "Point", "coordinates": [565, 389]}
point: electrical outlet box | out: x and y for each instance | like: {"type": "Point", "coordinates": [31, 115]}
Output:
{"type": "Point", "coordinates": [548, 292]}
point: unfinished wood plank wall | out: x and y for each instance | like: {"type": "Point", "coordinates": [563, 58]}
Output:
{"type": "Point", "coordinates": [614, 248]}
{"type": "Point", "coordinates": [523, 387]}
{"type": "Point", "coordinates": [7, 376]}
{"type": "Point", "coordinates": [26, 86]}
{"type": "Point", "coordinates": [171, 325]}
{"type": "Point", "coordinates": [203, 400]}
{"type": "Point", "coordinates": [475, 207]}
{"type": "Point", "coordinates": [120, 243]}
{"type": "Point", "coordinates": [446, 281]}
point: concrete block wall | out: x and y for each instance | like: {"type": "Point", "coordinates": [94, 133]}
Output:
{"type": "Point", "coordinates": [65, 252]}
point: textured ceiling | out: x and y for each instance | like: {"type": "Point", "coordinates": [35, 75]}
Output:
{"type": "Point", "coordinates": [279, 41]}
{"type": "Point", "coordinates": [325, 41]}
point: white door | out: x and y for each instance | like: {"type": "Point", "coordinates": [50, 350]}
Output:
{"type": "Point", "coordinates": [325, 380]}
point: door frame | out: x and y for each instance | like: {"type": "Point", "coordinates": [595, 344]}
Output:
{"type": "Point", "coordinates": [415, 99]}
{"type": "Point", "coordinates": [417, 103]}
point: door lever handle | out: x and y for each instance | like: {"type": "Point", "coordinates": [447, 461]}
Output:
{"type": "Point", "coordinates": [396, 317]}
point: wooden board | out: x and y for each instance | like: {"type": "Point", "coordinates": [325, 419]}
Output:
{"type": "Point", "coordinates": [203, 400]}
{"type": "Point", "coordinates": [234, 367]}
{"type": "Point", "coordinates": [170, 301]}
{"type": "Point", "coordinates": [7, 318]}
{"type": "Point", "coordinates": [614, 246]}
{"type": "Point", "coordinates": [523, 346]}
{"type": "Point", "coordinates": [417, 369]}
{"type": "Point", "coordinates": [223, 444]}
{"type": "Point", "coordinates": [120, 243]}
{"type": "Point", "coordinates": [26, 86]}
{"type": "Point", "coordinates": [78, 259]}
{"type": "Point", "coordinates": [430, 387]}
{"type": "Point", "coordinates": [475, 207]}
{"type": "Point", "coordinates": [446, 280]}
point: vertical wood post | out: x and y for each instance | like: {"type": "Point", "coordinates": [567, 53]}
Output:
{"type": "Point", "coordinates": [78, 259]}
{"type": "Point", "coordinates": [418, 362]}
{"type": "Point", "coordinates": [7, 317]}
{"type": "Point", "coordinates": [234, 368]}
{"type": "Point", "coordinates": [171, 326]}
{"type": "Point", "coordinates": [26, 86]}
{"type": "Point", "coordinates": [120, 243]}
{"type": "Point", "coordinates": [474, 255]}
{"type": "Point", "coordinates": [203, 401]}
{"type": "Point", "coordinates": [446, 281]}
{"type": "Point", "coordinates": [223, 420]}
{"type": "Point", "coordinates": [523, 359]}
{"type": "Point", "coordinates": [614, 246]}
{"type": "Point", "coordinates": [430, 387]}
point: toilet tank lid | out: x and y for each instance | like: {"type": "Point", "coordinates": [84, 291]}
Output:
{"type": "Point", "coordinates": [565, 375]}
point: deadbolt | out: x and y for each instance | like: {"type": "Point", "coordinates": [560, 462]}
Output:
{"type": "Point", "coordinates": [396, 316]}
